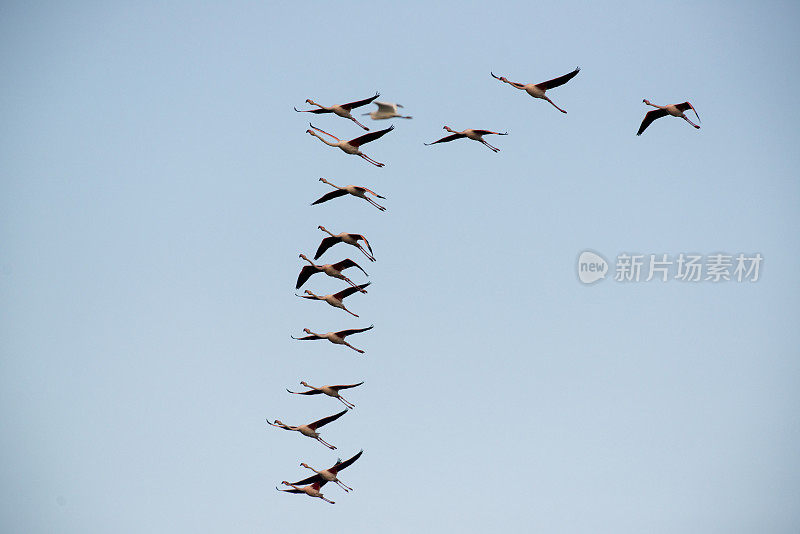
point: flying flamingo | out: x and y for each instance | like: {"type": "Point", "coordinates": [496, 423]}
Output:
{"type": "Point", "coordinates": [475, 135]}
{"type": "Point", "coordinates": [335, 337]}
{"type": "Point", "coordinates": [312, 490]}
{"type": "Point", "coordinates": [352, 146]}
{"type": "Point", "coordinates": [676, 110]}
{"type": "Point", "coordinates": [335, 300]}
{"type": "Point", "coordinates": [350, 239]}
{"type": "Point", "coordinates": [333, 270]}
{"type": "Point", "coordinates": [343, 110]}
{"type": "Point", "coordinates": [330, 474]}
{"type": "Point", "coordinates": [386, 110]}
{"type": "Point", "coordinates": [355, 190]}
{"type": "Point", "coordinates": [331, 391]}
{"type": "Point", "coordinates": [310, 429]}
{"type": "Point", "coordinates": [537, 90]}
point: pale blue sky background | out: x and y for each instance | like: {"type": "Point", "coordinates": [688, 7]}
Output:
{"type": "Point", "coordinates": [155, 195]}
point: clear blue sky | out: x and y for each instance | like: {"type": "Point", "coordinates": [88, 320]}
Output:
{"type": "Point", "coordinates": [154, 197]}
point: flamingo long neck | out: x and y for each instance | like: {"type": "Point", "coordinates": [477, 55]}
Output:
{"type": "Point", "coordinates": [332, 185]}
{"type": "Point", "coordinates": [309, 261]}
{"type": "Point", "coordinates": [327, 231]}
{"type": "Point", "coordinates": [329, 143]}
{"type": "Point", "coordinates": [317, 472]}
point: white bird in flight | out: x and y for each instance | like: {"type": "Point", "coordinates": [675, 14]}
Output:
{"type": "Point", "coordinates": [386, 110]}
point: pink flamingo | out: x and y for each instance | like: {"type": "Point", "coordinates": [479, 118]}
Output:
{"type": "Point", "coordinates": [537, 90]}
{"type": "Point", "coordinates": [353, 146]}
{"type": "Point", "coordinates": [342, 110]}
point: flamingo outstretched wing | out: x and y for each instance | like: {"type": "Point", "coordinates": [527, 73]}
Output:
{"type": "Point", "coordinates": [447, 139]}
{"type": "Point", "coordinates": [346, 386]}
{"type": "Point", "coordinates": [324, 245]}
{"type": "Point", "coordinates": [362, 238]}
{"type": "Point", "coordinates": [325, 420]}
{"type": "Point", "coordinates": [318, 110]}
{"type": "Point", "coordinates": [650, 117]}
{"type": "Point", "coordinates": [340, 465]}
{"type": "Point", "coordinates": [366, 138]}
{"type": "Point", "coordinates": [343, 333]}
{"type": "Point", "coordinates": [561, 80]}
{"type": "Point", "coordinates": [359, 103]}
{"type": "Point", "coordinates": [349, 291]}
{"type": "Point", "coordinates": [309, 392]}
{"type": "Point", "coordinates": [329, 196]}
{"type": "Point", "coordinates": [688, 105]}
{"type": "Point", "coordinates": [346, 264]}
{"type": "Point", "coordinates": [487, 132]}
{"type": "Point", "coordinates": [305, 274]}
